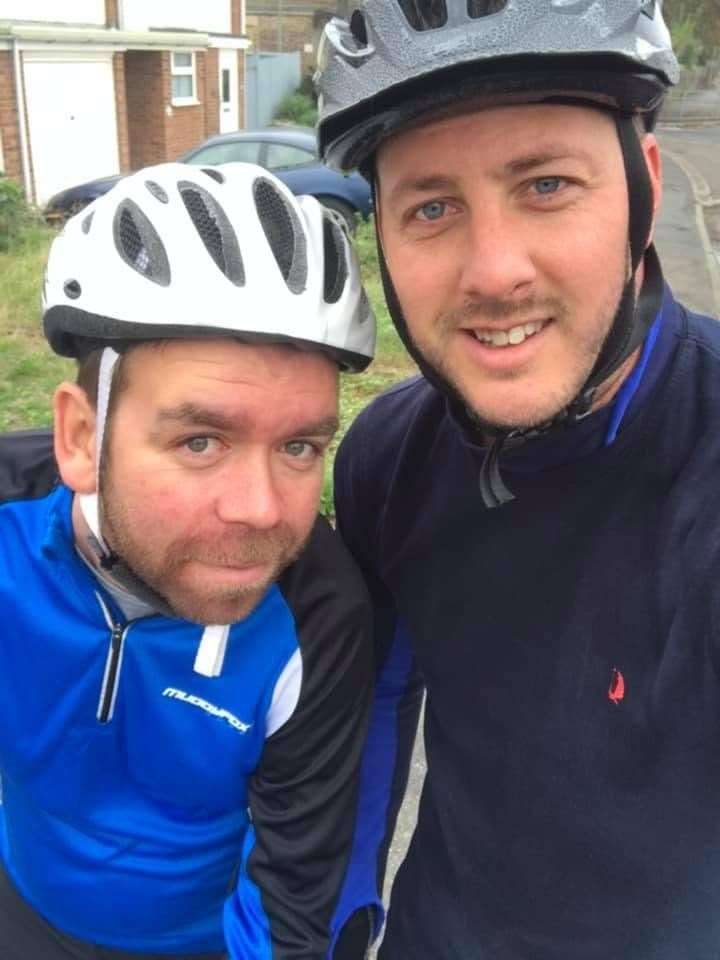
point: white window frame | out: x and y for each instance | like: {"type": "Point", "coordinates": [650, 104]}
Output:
{"type": "Point", "coordinates": [182, 71]}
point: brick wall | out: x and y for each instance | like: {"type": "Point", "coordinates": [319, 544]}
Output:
{"type": "Point", "coordinates": [111, 13]}
{"type": "Point", "coordinates": [9, 129]}
{"type": "Point", "coordinates": [147, 89]}
{"type": "Point", "coordinates": [121, 108]}
{"type": "Point", "coordinates": [211, 97]}
{"type": "Point", "coordinates": [236, 17]}
{"type": "Point", "coordinates": [157, 130]}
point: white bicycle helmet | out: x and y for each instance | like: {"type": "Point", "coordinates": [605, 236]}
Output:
{"type": "Point", "coordinates": [182, 251]}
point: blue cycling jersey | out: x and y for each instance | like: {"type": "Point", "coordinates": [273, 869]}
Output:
{"type": "Point", "coordinates": [141, 800]}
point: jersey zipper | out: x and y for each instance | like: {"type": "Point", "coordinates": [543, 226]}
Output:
{"type": "Point", "coordinates": [113, 664]}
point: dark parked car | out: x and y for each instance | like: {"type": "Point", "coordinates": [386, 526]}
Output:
{"type": "Point", "coordinates": [290, 152]}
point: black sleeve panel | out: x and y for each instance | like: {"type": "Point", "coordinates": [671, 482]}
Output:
{"type": "Point", "coordinates": [360, 497]}
{"type": "Point", "coordinates": [27, 465]}
{"type": "Point", "coordinates": [303, 795]}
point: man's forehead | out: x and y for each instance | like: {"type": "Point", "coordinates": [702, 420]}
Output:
{"type": "Point", "coordinates": [227, 360]}
{"type": "Point", "coordinates": [572, 121]}
{"type": "Point", "coordinates": [225, 385]}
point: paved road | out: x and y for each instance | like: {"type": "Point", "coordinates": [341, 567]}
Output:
{"type": "Point", "coordinates": [693, 104]}
{"type": "Point", "coordinates": [688, 236]}
{"type": "Point", "coordinates": [684, 258]}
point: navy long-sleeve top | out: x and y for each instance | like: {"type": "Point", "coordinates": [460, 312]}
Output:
{"type": "Point", "coordinates": [569, 643]}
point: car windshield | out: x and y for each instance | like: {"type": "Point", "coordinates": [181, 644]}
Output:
{"type": "Point", "coordinates": [235, 150]}
{"type": "Point", "coordinates": [284, 155]}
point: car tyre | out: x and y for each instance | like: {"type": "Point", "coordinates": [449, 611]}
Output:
{"type": "Point", "coordinates": [348, 213]}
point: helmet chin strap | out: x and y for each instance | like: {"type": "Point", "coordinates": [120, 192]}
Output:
{"type": "Point", "coordinates": [91, 503]}
{"type": "Point", "coordinates": [213, 643]}
{"type": "Point", "coordinates": [633, 319]}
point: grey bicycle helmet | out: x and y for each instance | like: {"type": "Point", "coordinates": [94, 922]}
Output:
{"type": "Point", "coordinates": [395, 59]}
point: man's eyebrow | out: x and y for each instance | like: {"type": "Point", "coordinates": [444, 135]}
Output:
{"type": "Point", "coordinates": [414, 184]}
{"type": "Point", "coordinates": [195, 415]}
{"type": "Point", "coordinates": [327, 427]}
{"type": "Point", "coordinates": [542, 157]}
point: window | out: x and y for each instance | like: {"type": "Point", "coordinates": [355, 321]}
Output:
{"type": "Point", "coordinates": [226, 153]}
{"type": "Point", "coordinates": [182, 69]}
{"type": "Point", "coordinates": [283, 155]}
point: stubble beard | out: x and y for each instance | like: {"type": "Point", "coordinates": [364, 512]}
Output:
{"type": "Point", "coordinates": [161, 568]}
{"type": "Point", "coordinates": [555, 398]}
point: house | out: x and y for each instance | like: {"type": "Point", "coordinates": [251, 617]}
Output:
{"type": "Point", "coordinates": [289, 25]}
{"type": "Point", "coordinates": [90, 88]}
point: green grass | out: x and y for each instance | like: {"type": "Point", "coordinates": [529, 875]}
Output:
{"type": "Point", "coordinates": [29, 371]}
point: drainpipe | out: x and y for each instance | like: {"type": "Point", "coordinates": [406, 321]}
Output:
{"type": "Point", "coordinates": [22, 118]}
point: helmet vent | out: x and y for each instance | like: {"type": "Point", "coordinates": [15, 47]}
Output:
{"type": "Point", "coordinates": [157, 191]}
{"type": "Point", "coordinates": [336, 269]}
{"type": "Point", "coordinates": [214, 229]}
{"type": "Point", "coordinates": [87, 222]}
{"type": "Point", "coordinates": [72, 289]}
{"type": "Point", "coordinates": [138, 243]}
{"type": "Point", "coordinates": [284, 234]}
{"type": "Point", "coordinates": [485, 8]}
{"type": "Point", "coordinates": [213, 174]}
{"type": "Point", "coordinates": [648, 8]}
{"type": "Point", "coordinates": [425, 14]}
{"type": "Point", "coordinates": [358, 28]}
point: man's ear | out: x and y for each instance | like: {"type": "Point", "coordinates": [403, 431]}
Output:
{"type": "Point", "coordinates": [651, 149]}
{"type": "Point", "coordinates": [74, 431]}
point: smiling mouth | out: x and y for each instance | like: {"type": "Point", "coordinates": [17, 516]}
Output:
{"type": "Point", "coordinates": [509, 338]}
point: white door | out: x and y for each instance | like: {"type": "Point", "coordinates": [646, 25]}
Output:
{"type": "Point", "coordinates": [72, 121]}
{"type": "Point", "coordinates": [229, 119]}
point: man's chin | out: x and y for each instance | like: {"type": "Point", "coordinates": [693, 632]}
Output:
{"type": "Point", "coordinates": [518, 412]}
{"type": "Point", "coordinates": [207, 611]}
{"type": "Point", "coordinates": [508, 421]}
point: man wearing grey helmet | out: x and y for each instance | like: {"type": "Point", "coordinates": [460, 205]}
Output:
{"type": "Point", "coordinates": [536, 514]}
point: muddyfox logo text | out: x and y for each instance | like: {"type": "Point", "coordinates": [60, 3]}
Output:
{"type": "Point", "coordinates": [210, 708]}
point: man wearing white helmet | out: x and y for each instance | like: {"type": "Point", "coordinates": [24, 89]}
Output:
{"type": "Point", "coordinates": [537, 514]}
{"type": "Point", "coordinates": [186, 666]}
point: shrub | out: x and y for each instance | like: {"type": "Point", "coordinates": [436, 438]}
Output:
{"type": "Point", "coordinates": [298, 108]}
{"type": "Point", "coordinates": [15, 214]}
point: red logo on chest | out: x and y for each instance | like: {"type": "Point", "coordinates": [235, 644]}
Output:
{"type": "Point", "coordinates": [616, 693]}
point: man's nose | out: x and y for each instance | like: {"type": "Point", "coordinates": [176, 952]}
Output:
{"type": "Point", "coordinates": [249, 493]}
{"type": "Point", "coordinates": [497, 263]}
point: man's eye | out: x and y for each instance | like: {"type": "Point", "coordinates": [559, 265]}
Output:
{"type": "Point", "coordinates": [199, 445]}
{"type": "Point", "coordinates": [548, 185]}
{"type": "Point", "coordinates": [301, 450]}
{"type": "Point", "coordinates": [434, 210]}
